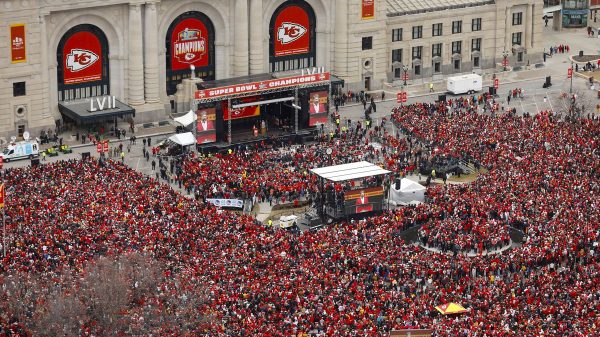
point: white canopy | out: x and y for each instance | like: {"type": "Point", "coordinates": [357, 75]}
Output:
{"type": "Point", "coordinates": [407, 185]}
{"type": "Point", "coordinates": [183, 139]}
{"type": "Point", "coordinates": [187, 119]}
{"type": "Point", "coordinates": [349, 171]}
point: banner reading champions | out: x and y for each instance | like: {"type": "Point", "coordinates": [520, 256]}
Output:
{"type": "Point", "coordinates": [317, 108]}
{"type": "Point", "coordinates": [292, 31]}
{"type": "Point", "coordinates": [206, 126]}
{"type": "Point", "coordinates": [82, 58]}
{"type": "Point", "coordinates": [189, 44]}
{"type": "Point", "coordinates": [17, 43]}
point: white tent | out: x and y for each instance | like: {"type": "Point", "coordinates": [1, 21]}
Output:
{"type": "Point", "coordinates": [186, 119]}
{"type": "Point", "coordinates": [183, 139]}
{"type": "Point", "coordinates": [410, 192]}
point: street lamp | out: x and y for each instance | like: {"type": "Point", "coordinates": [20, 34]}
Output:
{"type": "Point", "coordinates": [405, 77]}
{"type": "Point", "coordinates": [505, 59]}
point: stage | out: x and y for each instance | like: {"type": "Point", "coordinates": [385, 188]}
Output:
{"type": "Point", "coordinates": [247, 138]}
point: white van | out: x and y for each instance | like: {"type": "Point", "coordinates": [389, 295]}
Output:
{"type": "Point", "coordinates": [464, 84]}
{"type": "Point", "coordinates": [20, 150]}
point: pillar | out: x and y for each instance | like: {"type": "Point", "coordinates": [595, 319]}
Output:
{"type": "Point", "coordinates": [256, 37]}
{"type": "Point", "coordinates": [341, 38]}
{"type": "Point", "coordinates": [151, 88]}
{"type": "Point", "coordinates": [46, 113]}
{"type": "Point", "coordinates": [241, 38]}
{"type": "Point", "coordinates": [136, 57]}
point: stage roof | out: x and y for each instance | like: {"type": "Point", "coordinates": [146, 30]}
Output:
{"type": "Point", "coordinates": [79, 111]}
{"type": "Point", "coordinates": [351, 171]}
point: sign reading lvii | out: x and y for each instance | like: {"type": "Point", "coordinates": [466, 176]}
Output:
{"type": "Point", "coordinates": [102, 103]}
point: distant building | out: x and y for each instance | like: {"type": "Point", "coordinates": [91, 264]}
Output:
{"type": "Point", "coordinates": [140, 51]}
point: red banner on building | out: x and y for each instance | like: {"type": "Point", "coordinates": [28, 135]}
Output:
{"type": "Point", "coordinates": [368, 9]}
{"type": "Point", "coordinates": [17, 43]}
{"type": "Point", "coordinates": [189, 44]}
{"type": "Point", "coordinates": [261, 86]}
{"type": "Point", "coordinates": [82, 58]}
{"type": "Point", "coordinates": [292, 31]}
{"type": "Point", "coordinates": [206, 126]}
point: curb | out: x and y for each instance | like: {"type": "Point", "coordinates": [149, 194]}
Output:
{"type": "Point", "coordinates": [120, 140]}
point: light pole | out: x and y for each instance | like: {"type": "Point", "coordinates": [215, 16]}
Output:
{"type": "Point", "coordinates": [405, 76]}
{"type": "Point", "coordinates": [193, 102]}
{"type": "Point", "coordinates": [571, 87]}
{"type": "Point", "coordinates": [505, 59]}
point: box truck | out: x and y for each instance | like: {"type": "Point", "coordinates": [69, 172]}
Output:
{"type": "Point", "coordinates": [464, 84]}
{"type": "Point", "coordinates": [20, 150]}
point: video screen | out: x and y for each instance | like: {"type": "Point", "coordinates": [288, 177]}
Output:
{"type": "Point", "coordinates": [318, 108]}
{"type": "Point", "coordinates": [206, 126]}
{"type": "Point", "coordinates": [364, 200]}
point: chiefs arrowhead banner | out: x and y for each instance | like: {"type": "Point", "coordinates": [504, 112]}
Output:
{"type": "Point", "coordinates": [368, 9]}
{"type": "Point", "coordinates": [189, 44]}
{"type": "Point", "coordinates": [292, 31]}
{"type": "Point", "coordinates": [17, 43]}
{"type": "Point", "coordinates": [82, 58]}
{"type": "Point", "coordinates": [207, 118]}
{"type": "Point", "coordinates": [245, 112]}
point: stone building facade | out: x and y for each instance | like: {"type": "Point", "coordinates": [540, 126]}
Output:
{"type": "Point", "coordinates": [140, 51]}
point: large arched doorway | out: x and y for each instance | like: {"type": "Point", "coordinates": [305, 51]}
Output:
{"type": "Point", "coordinates": [190, 41]}
{"type": "Point", "coordinates": [83, 64]}
{"type": "Point", "coordinates": [292, 37]}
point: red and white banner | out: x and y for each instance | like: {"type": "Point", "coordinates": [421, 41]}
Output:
{"type": "Point", "coordinates": [368, 9]}
{"type": "Point", "coordinates": [82, 58]}
{"type": "Point", "coordinates": [189, 44]}
{"type": "Point", "coordinates": [261, 86]}
{"type": "Point", "coordinates": [317, 108]}
{"type": "Point", "coordinates": [245, 112]}
{"type": "Point", "coordinates": [207, 118]}
{"type": "Point", "coordinates": [1, 195]}
{"type": "Point", "coordinates": [292, 32]}
{"type": "Point", "coordinates": [17, 43]}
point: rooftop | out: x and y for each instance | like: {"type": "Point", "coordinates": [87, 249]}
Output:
{"type": "Point", "coordinates": [351, 171]}
{"type": "Point", "coordinates": [405, 7]}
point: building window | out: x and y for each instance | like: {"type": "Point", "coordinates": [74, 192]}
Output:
{"type": "Point", "coordinates": [417, 70]}
{"type": "Point", "coordinates": [19, 89]}
{"type": "Point", "coordinates": [436, 49]}
{"type": "Point", "coordinates": [476, 25]}
{"type": "Point", "coordinates": [456, 64]}
{"type": "Point", "coordinates": [476, 45]}
{"type": "Point", "coordinates": [396, 34]}
{"type": "Point", "coordinates": [516, 38]}
{"type": "Point", "coordinates": [456, 47]}
{"type": "Point", "coordinates": [436, 29]}
{"type": "Point", "coordinates": [517, 19]}
{"type": "Point", "coordinates": [436, 67]}
{"type": "Point", "coordinates": [417, 32]}
{"type": "Point", "coordinates": [417, 52]}
{"type": "Point", "coordinates": [476, 61]}
{"type": "Point", "coordinates": [520, 56]}
{"type": "Point", "coordinates": [396, 55]}
{"type": "Point", "coordinates": [20, 130]}
{"type": "Point", "coordinates": [397, 72]}
{"type": "Point", "coordinates": [367, 43]}
{"type": "Point", "coordinates": [456, 27]}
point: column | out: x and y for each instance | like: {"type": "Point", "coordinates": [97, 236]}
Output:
{"type": "Point", "coordinates": [151, 54]}
{"type": "Point", "coordinates": [341, 38]}
{"type": "Point", "coordinates": [507, 29]}
{"type": "Point", "coordinates": [527, 32]}
{"type": "Point", "coordinates": [46, 113]}
{"type": "Point", "coordinates": [136, 57]}
{"type": "Point", "coordinates": [240, 65]}
{"type": "Point", "coordinates": [256, 37]}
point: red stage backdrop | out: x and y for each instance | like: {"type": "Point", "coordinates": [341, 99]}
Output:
{"type": "Point", "coordinates": [206, 126]}
{"type": "Point", "coordinates": [317, 107]}
{"type": "Point", "coordinates": [249, 111]}
{"type": "Point", "coordinates": [82, 58]}
{"type": "Point", "coordinates": [17, 44]}
{"type": "Point", "coordinates": [292, 31]}
{"type": "Point", "coordinates": [368, 9]}
{"type": "Point", "coordinates": [189, 44]}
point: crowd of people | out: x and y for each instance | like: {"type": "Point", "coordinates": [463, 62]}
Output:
{"type": "Point", "coordinates": [353, 278]}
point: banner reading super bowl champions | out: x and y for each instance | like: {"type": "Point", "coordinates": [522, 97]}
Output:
{"type": "Point", "coordinates": [189, 44]}
{"type": "Point", "coordinates": [206, 126]}
{"type": "Point", "coordinates": [82, 58]}
{"type": "Point", "coordinates": [318, 108]}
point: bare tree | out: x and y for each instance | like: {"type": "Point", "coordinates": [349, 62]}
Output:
{"type": "Point", "coordinates": [64, 316]}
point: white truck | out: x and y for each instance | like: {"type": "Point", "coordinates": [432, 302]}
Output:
{"type": "Point", "coordinates": [20, 150]}
{"type": "Point", "coordinates": [464, 84]}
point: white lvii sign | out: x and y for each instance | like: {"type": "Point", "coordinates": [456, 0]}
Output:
{"type": "Point", "coordinates": [103, 103]}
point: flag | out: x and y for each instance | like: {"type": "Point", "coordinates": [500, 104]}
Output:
{"type": "Point", "coordinates": [1, 195]}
